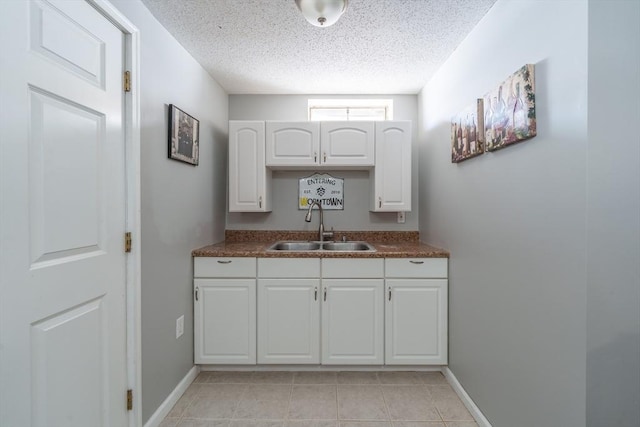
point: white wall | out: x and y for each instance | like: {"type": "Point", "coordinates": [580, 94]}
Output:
{"type": "Point", "coordinates": [183, 207]}
{"type": "Point", "coordinates": [514, 220]}
{"type": "Point", "coordinates": [285, 215]}
{"type": "Point", "coordinates": [613, 215]}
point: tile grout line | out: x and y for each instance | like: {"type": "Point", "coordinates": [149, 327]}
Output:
{"type": "Point", "coordinates": [233, 415]}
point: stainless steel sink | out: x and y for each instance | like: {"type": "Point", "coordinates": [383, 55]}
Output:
{"type": "Point", "coordinates": [298, 246]}
{"type": "Point", "coordinates": [295, 246]}
{"type": "Point", "coordinates": [347, 246]}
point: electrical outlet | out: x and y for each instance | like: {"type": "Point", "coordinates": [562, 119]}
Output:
{"type": "Point", "coordinates": [401, 218]}
{"type": "Point", "coordinates": [179, 326]}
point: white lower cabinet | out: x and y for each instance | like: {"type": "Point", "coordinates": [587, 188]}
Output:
{"type": "Point", "coordinates": [289, 310]}
{"type": "Point", "coordinates": [352, 322]}
{"type": "Point", "coordinates": [416, 312]}
{"type": "Point", "coordinates": [225, 311]}
{"type": "Point", "coordinates": [330, 311]}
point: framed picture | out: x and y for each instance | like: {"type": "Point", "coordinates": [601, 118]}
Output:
{"type": "Point", "coordinates": [184, 141]}
{"type": "Point", "coordinates": [467, 133]}
{"type": "Point", "coordinates": [510, 110]}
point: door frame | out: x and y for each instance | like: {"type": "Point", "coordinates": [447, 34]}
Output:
{"type": "Point", "coordinates": [133, 221]}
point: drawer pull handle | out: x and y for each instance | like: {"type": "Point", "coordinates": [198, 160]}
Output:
{"type": "Point", "coordinates": [389, 294]}
{"type": "Point", "coordinates": [197, 293]}
{"type": "Point", "coordinates": [260, 202]}
{"type": "Point", "coordinates": [416, 262]}
{"type": "Point", "coordinates": [325, 294]}
{"type": "Point", "coordinates": [315, 157]}
{"type": "Point", "coordinates": [224, 262]}
{"type": "Point", "coordinates": [379, 202]}
{"type": "Point", "coordinates": [315, 294]}
{"type": "Point", "coordinates": [325, 157]}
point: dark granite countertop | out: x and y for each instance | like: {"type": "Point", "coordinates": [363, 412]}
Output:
{"type": "Point", "coordinates": [255, 243]}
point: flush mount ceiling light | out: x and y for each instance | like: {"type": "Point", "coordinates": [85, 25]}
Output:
{"type": "Point", "coordinates": [322, 13]}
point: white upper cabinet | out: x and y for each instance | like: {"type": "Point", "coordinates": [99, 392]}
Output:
{"type": "Point", "coordinates": [347, 143]}
{"type": "Point", "coordinates": [249, 179]}
{"type": "Point", "coordinates": [292, 143]}
{"type": "Point", "coordinates": [391, 185]}
{"type": "Point", "coordinates": [299, 144]}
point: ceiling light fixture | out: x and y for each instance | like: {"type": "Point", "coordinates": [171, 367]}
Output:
{"type": "Point", "coordinates": [322, 13]}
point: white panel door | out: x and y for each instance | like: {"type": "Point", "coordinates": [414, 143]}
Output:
{"type": "Point", "coordinates": [249, 179]}
{"type": "Point", "coordinates": [62, 217]}
{"type": "Point", "coordinates": [416, 322]}
{"type": "Point", "coordinates": [225, 321]}
{"type": "Point", "coordinates": [352, 321]}
{"type": "Point", "coordinates": [392, 174]}
{"type": "Point", "coordinates": [292, 143]}
{"type": "Point", "coordinates": [347, 143]}
{"type": "Point", "coordinates": [289, 321]}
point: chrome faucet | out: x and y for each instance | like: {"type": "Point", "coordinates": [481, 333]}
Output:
{"type": "Point", "coordinates": [321, 233]}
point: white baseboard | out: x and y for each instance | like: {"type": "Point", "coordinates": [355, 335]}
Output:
{"type": "Point", "coordinates": [466, 399]}
{"type": "Point", "coordinates": [164, 409]}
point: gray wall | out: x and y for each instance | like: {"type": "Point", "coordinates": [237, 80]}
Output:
{"type": "Point", "coordinates": [183, 206]}
{"type": "Point", "coordinates": [613, 215]}
{"type": "Point", "coordinates": [514, 220]}
{"type": "Point", "coordinates": [285, 214]}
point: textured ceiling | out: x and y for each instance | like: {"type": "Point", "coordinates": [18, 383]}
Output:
{"type": "Point", "coordinates": [267, 47]}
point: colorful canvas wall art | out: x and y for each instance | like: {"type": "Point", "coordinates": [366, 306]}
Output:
{"type": "Point", "coordinates": [510, 110]}
{"type": "Point", "coordinates": [467, 133]}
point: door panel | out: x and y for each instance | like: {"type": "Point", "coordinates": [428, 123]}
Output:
{"type": "Point", "coordinates": [68, 353]}
{"type": "Point", "coordinates": [416, 321]}
{"type": "Point", "coordinates": [225, 314]}
{"type": "Point", "coordinates": [66, 204]}
{"type": "Point", "coordinates": [288, 321]}
{"type": "Point", "coordinates": [352, 321]}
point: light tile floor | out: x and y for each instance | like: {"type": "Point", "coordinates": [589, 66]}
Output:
{"type": "Point", "coordinates": [319, 399]}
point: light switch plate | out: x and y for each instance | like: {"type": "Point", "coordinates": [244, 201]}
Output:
{"type": "Point", "coordinates": [401, 218]}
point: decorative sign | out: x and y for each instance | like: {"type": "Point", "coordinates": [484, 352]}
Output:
{"type": "Point", "coordinates": [323, 188]}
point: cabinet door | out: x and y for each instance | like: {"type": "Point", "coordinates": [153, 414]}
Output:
{"type": "Point", "coordinates": [289, 321]}
{"type": "Point", "coordinates": [416, 322]}
{"type": "Point", "coordinates": [225, 321]}
{"type": "Point", "coordinates": [347, 143]}
{"type": "Point", "coordinates": [352, 321]}
{"type": "Point", "coordinates": [249, 179]}
{"type": "Point", "coordinates": [391, 190]}
{"type": "Point", "coordinates": [292, 144]}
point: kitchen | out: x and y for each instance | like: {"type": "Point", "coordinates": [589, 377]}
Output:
{"type": "Point", "coordinates": [543, 242]}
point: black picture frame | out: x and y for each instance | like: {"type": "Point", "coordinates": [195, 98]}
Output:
{"type": "Point", "coordinates": [184, 136]}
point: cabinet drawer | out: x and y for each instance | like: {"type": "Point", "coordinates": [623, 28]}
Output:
{"type": "Point", "coordinates": [224, 267]}
{"type": "Point", "coordinates": [288, 267]}
{"type": "Point", "coordinates": [416, 267]}
{"type": "Point", "coordinates": [352, 268]}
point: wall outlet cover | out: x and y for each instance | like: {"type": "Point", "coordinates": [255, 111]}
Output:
{"type": "Point", "coordinates": [401, 218]}
{"type": "Point", "coordinates": [179, 326]}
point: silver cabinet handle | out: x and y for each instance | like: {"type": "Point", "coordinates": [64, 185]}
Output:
{"type": "Point", "coordinates": [224, 262]}
{"type": "Point", "coordinates": [197, 293]}
{"type": "Point", "coordinates": [315, 157]}
{"type": "Point", "coordinates": [389, 293]}
{"type": "Point", "coordinates": [260, 202]}
{"type": "Point", "coordinates": [379, 202]}
{"type": "Point", "coordinates": [416, 262]}
{"type": "Point", "coordinates": [325, 294]}
{"type": "Point", "coordinates": [315, 294]}
{"type": "Point", "coordinates": [325, 157]}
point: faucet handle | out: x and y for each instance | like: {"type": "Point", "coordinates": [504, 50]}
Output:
{"type": "Point", "coordinates": [327, 234]}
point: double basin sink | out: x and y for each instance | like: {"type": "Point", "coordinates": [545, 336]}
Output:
{"type": "Point", "coordinates": [299, 246]}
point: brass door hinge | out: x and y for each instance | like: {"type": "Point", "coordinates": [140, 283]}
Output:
{"type": "Point", "coordinates": [127, 241]}
{"type": "Point", "coordinates": [129, 400]}
{"type": "Point", "coordinates": [127, 81]}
